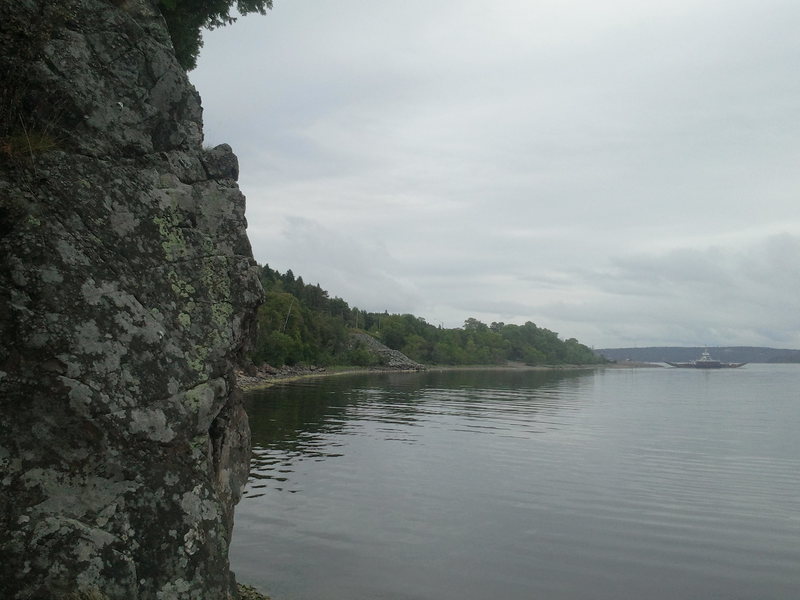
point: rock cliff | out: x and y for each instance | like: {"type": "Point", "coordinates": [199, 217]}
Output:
{"type": "Point", "coordinates": [127, 293]}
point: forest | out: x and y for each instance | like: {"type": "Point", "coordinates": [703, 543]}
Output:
{"type": "Point", "coordinates": [301, 323]}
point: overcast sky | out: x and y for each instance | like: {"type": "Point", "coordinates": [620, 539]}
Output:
{"type": "Point", "coordinates": [624, 172]}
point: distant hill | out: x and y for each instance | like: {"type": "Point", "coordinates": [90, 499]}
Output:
{"type": "Point", "coordinates": [751, 354]}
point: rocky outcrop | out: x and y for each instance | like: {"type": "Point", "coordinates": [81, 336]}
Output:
{"type": "Point", "coordinates": [388, 358]}
{"type": "Point", "coordinates": [127, 293]}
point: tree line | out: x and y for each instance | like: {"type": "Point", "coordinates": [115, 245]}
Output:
{"type": "Point", "coordinates": [301, 323]}
{"type": "Point", "coordinates": [187, 18]}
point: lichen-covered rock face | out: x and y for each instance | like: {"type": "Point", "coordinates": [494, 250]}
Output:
{"type": "Point", "coordinates": [127, 294]}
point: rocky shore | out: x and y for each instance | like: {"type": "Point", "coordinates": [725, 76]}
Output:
{"type": "Point", "coordinates": [265, 375]}
{"type": "Point", "coordinates": [388, 360]}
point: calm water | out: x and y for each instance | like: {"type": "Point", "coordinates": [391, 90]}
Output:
{"type": "Point", "coordinates": [645, 484]}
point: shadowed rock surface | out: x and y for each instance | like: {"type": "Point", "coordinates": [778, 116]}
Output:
{"type": "Point", "coordinates": [127, 293]}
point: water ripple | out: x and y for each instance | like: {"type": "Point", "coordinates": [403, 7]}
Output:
{"type": "Point", "coordinates": [603, 486]}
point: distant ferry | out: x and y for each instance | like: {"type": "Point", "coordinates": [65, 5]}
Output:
{"type": "Point", "coordinates": [705, 362]}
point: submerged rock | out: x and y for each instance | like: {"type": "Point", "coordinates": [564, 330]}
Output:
{"type": "Point", "coordinates": [127, 293]}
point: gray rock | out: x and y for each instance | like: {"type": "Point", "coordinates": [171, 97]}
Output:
{"type": "Point", "coordinates": [389, 358]}
{"type": "Point", "coordinates": [221, 163]}
{"type": "Point", "coordinates": [127, 293]}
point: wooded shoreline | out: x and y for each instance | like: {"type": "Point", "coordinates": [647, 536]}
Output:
{"type": "Point", "coordinates": [263, 380]}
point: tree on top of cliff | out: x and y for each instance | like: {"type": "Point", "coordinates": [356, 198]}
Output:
{"type": "Point", "coordinates": [186, 18]}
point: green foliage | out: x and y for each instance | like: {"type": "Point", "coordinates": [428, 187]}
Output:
{"type": "Point", "coordinates": [298, 323]}
{"type": "Point", "coordinates": [301, 323]}
{"type": "Point", "coordinates": [186, 18]}
{"type": "Point", "coordinates": [478, 343]}
{"type": "Point", "coordinates": [359, 356]}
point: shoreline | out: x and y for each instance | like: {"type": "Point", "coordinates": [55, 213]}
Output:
{"type": "Point", "coordinates": [262, 380]}
{"type": "Point", "coordinates": [265, 378]}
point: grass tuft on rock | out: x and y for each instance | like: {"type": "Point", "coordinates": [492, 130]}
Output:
{"type": "Point", "coordinates": [248, 592]}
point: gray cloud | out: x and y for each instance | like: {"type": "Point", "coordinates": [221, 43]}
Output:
{"type": "Point", "coordinates": [349, 266]}
{"type": "Point", "coordinates": [745, 295]}
{"type": "Point", "coordinates": [619, 172]}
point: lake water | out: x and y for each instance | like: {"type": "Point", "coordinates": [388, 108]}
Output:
{"type": "Point", "coordinates": [646, 484]}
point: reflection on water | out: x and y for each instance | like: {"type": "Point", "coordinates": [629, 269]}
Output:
{"type": "Point", "coordinates": [285, 416]}
{"type": "Point", "coordinates": [518, 485]}
{"type": "Point", "coordinates": [297, 421]}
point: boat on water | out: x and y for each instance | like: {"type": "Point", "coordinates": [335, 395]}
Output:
{"type": "Point", "coordinates": [706, 362]}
